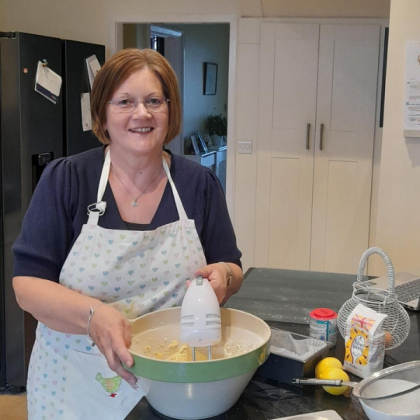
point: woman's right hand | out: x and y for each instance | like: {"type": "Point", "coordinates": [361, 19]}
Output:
{"type": "Point", "coordinates": [111, 332]}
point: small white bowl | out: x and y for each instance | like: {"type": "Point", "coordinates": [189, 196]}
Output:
{"type": "Point", "coordinates": [404, 407]}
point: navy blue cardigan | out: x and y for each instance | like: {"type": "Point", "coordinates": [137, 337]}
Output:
{"type": "Point", "coordinates": [58, 210]}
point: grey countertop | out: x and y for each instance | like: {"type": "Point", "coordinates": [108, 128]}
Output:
{"type": "Point", "coordinates": [289, 295]}
{"type": "Point", "coordinates": [284, 299]}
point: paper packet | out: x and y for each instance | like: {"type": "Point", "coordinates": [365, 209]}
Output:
{"type": "Point", "coordinates": [364, 341]}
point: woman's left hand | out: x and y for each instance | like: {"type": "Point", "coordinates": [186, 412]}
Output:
{"type": "Point", "coordinates": [217, 275]}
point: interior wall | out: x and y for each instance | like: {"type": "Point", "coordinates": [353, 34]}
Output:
{"type": "Point", "coordinates": [89, 21]}
{"type": "Point", "coordinates": [247, 97]}
{"type": "Point", "coordinates": [318, 8]}
{"type": "Point", "coordinates": [398, 222]}
{"type": "Point", "coordinates": [203, 43]}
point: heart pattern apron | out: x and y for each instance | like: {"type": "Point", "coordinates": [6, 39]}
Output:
{"type": "Point", "coordinates": [136, 272]}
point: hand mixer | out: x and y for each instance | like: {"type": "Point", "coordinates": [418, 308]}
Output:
{"type": "Point", "coordinates": [200, 316]}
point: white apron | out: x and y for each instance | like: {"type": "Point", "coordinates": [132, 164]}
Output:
{"type": "Point", "coordinates": [135, 272]}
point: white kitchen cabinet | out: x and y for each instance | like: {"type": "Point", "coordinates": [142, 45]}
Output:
{"type": "Point", "coordinates": [315, 145]}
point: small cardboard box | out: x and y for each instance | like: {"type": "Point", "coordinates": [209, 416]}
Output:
{"type": "Point", "coordinates": [286, 365]}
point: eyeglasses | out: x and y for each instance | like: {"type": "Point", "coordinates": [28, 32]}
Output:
{"type": "Point", "coordinates": [152, 104]}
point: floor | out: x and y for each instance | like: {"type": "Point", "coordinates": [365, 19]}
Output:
{"type": "Point", "coordinates": [13, 407]}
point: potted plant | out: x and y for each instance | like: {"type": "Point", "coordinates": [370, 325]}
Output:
{"type": "Point", "coordinates": [216, 125]}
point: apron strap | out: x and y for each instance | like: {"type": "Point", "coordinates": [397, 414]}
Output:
{"type": "Point", "coordinates": [180, 208]}
{"type": "Point", "coordinates": [104, 175]}
{"type": "Point", "coordinates": [97, 209]}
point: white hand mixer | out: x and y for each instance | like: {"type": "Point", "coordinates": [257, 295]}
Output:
{"type": "Point", "coordinates": [200, 316]}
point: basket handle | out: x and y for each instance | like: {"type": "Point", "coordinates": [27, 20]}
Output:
{"type": "Point", "coordinates": [388, 262]}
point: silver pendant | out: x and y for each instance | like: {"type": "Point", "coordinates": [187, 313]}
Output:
{"type": "Point", "coordinates": [134, 204]}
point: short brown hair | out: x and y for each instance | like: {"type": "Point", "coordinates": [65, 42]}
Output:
{"type": "Point", "coordinates": [117, 70]}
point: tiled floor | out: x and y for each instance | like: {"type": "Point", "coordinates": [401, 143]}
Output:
{"type": "Point", "coordinates": [13, 407]}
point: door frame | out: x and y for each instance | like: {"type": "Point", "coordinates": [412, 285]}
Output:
{"type": "Point", "coordinates": [115, 34]}
{"type": "Point", "coordinates": [175, 56]}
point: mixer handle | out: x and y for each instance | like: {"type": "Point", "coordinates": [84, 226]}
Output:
{"type": "Point", "coordinates": [388, 262]}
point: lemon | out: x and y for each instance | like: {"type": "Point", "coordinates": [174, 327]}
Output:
{"type": "Point", "coordinates": [326, 363]}
{"type": "Point", "coordinates": [334, 373]}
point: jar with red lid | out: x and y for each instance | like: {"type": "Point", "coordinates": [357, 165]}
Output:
{"type": "Point", "coordinates": [323, 325]}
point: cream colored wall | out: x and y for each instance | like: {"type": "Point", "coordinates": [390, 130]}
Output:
{"type": "Point", "coordinates": [398, 221]}
{"type": "Point", "coordinates": [90, 21]}
{"type": "Point", "coordinates": [248, 56]}
{"type": "Point", "coordinates": [326, 8]}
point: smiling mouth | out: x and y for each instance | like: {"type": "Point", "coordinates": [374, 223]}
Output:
{"type": "Point", "coordinates": [141, 130]}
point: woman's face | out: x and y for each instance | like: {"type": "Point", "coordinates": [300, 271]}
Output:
{"type": "Point", "coordinates": [137, 131]}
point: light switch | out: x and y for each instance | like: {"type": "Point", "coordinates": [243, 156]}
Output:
{"type": "Point", "coordinates": [245, 147]}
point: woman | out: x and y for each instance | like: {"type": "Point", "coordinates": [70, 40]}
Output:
{"type": "Point", "coordinates": [114, 233]}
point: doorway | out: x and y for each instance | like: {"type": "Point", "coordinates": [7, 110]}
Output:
{"type": "Point", "coordinates": [221, 31]}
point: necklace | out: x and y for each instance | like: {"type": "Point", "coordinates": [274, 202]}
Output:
{"type": "Point", "coordinates": [134, 202]}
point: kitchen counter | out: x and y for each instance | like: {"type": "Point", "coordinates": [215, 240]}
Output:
{"type": "Point", "coordinates": [289, 295]}
{"type": "Point", "coordinates": [284, 299]}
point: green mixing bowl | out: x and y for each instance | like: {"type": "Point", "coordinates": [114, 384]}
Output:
{"type": "Point", "coordinates": [198, 389]}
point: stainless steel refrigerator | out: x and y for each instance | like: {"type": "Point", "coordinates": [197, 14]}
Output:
{"type": "Point", "coordinates": [33, 132]}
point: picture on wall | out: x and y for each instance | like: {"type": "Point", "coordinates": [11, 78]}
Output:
{"type": "Point", "coordinates": [210, 78]}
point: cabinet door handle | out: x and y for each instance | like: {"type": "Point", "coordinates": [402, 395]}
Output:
{"type": "Point", "coordinates": [321, 137]}
{"type": "Point", "coordinates": [308, 131]}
